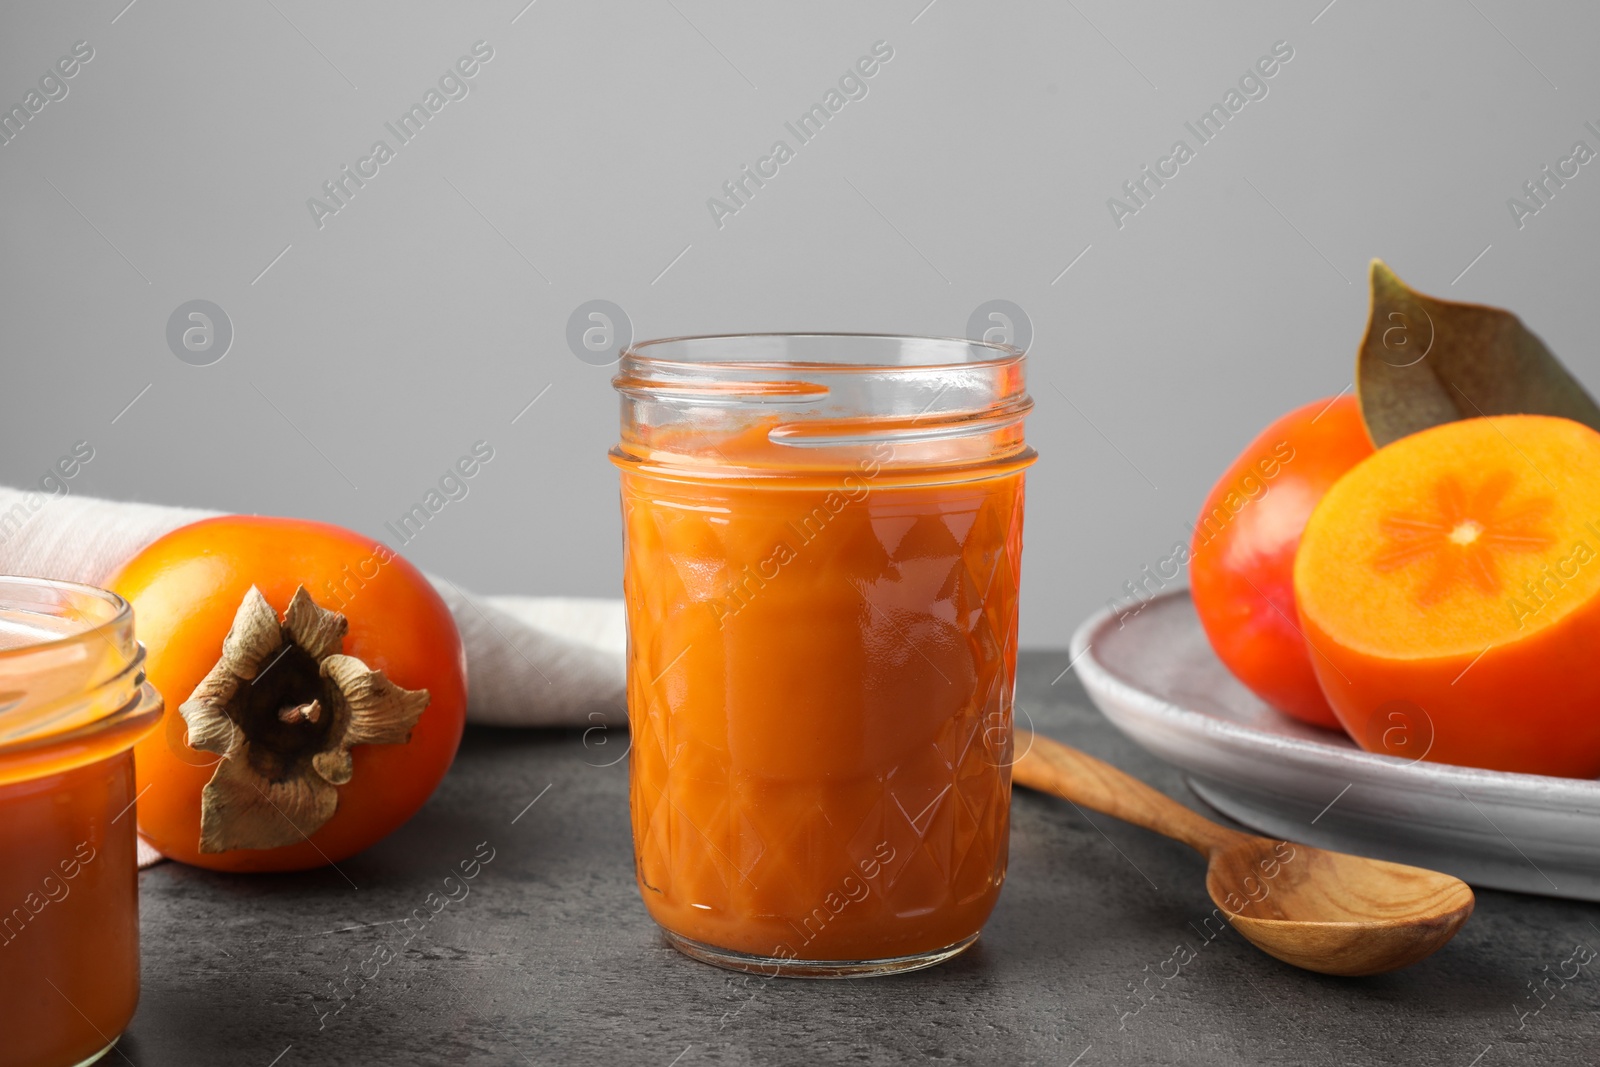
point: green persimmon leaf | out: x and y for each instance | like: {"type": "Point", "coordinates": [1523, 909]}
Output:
{"type": "Point", "coordinates": [1426, 361]}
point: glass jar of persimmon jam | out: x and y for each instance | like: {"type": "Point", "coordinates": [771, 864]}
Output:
{"type": "Point", "coordinates": [73, 700]}
{"type": "Point", "coordinates": [822, 535]}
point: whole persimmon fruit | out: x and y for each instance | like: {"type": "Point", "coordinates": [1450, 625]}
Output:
{"type": "Point", "coordinates": [1241, 571]}
{"type": "Point", "coordinates": [1451, 586]}
{"type": "Point", "coordinates": [315, 686]}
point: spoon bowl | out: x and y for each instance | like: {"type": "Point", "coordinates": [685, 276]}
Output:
{"type": "Point", "coordinates": [1323, 911]}
{"type": "Point", "coordinates": [1331, 912]}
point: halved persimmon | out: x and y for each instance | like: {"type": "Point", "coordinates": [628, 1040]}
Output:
{"type": "Point", "coordinates": [1455, 575]}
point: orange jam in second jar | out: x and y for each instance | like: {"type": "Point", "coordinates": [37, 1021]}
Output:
{"type": "Point", "coordinates": [72, 703]}
{"type": "Point", "coordinates": [822, 605]}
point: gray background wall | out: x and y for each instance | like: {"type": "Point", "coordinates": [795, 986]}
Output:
{"type": "Point", "coordinates": [370, 353]}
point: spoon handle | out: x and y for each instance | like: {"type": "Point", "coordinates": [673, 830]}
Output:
{"type": "Point", "coordinates": [1051, 767]}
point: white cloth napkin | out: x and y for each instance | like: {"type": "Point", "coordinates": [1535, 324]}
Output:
{"type": "Point", "coordinates": [531, 661]}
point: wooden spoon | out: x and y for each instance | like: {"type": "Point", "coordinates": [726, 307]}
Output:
{"type": "Point", "coordinates": [1323, 911]}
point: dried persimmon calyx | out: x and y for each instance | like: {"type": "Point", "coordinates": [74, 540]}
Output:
{"type": "Point", "coordinates": [282, 707]}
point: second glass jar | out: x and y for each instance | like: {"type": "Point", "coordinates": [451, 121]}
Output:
{"type": "Point", "coordinates": [73, 701]}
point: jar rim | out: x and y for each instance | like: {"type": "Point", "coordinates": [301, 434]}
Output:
{"type": "Point", "coordinates": [121, 613]}
{"type": "Point", "coordinates": [1002, 354]}
{"type": "Point", "coordinates": [78, 690]}
{"type": "Point", "coordinates": [781, 404]}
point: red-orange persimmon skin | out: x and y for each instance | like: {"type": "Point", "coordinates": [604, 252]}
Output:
{"type": "Point", "coordinates": [1241, 572]}
{"type": "Point", "coordinates": [185, 589]}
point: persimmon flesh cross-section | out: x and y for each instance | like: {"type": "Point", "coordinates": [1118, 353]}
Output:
{"type": "Point", "coordinates": [1456, 574]}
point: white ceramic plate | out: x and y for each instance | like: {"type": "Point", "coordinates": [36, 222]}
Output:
{"type": "Point", "coordinates": [1157, 679]}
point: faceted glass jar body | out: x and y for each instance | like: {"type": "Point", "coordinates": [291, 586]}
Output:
{"type": "Point", "coordinates": [73, 701]}
{"type": "Point", "coordinates": [822, 541]}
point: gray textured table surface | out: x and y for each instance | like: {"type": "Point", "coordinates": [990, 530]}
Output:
{"type": "Point", "coordinates": [550, 959]}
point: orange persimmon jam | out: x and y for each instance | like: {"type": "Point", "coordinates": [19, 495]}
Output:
{"type": "Point", "coordinates": [822, 536]}
{"type": "Point", "coordinates": [73, 701]}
